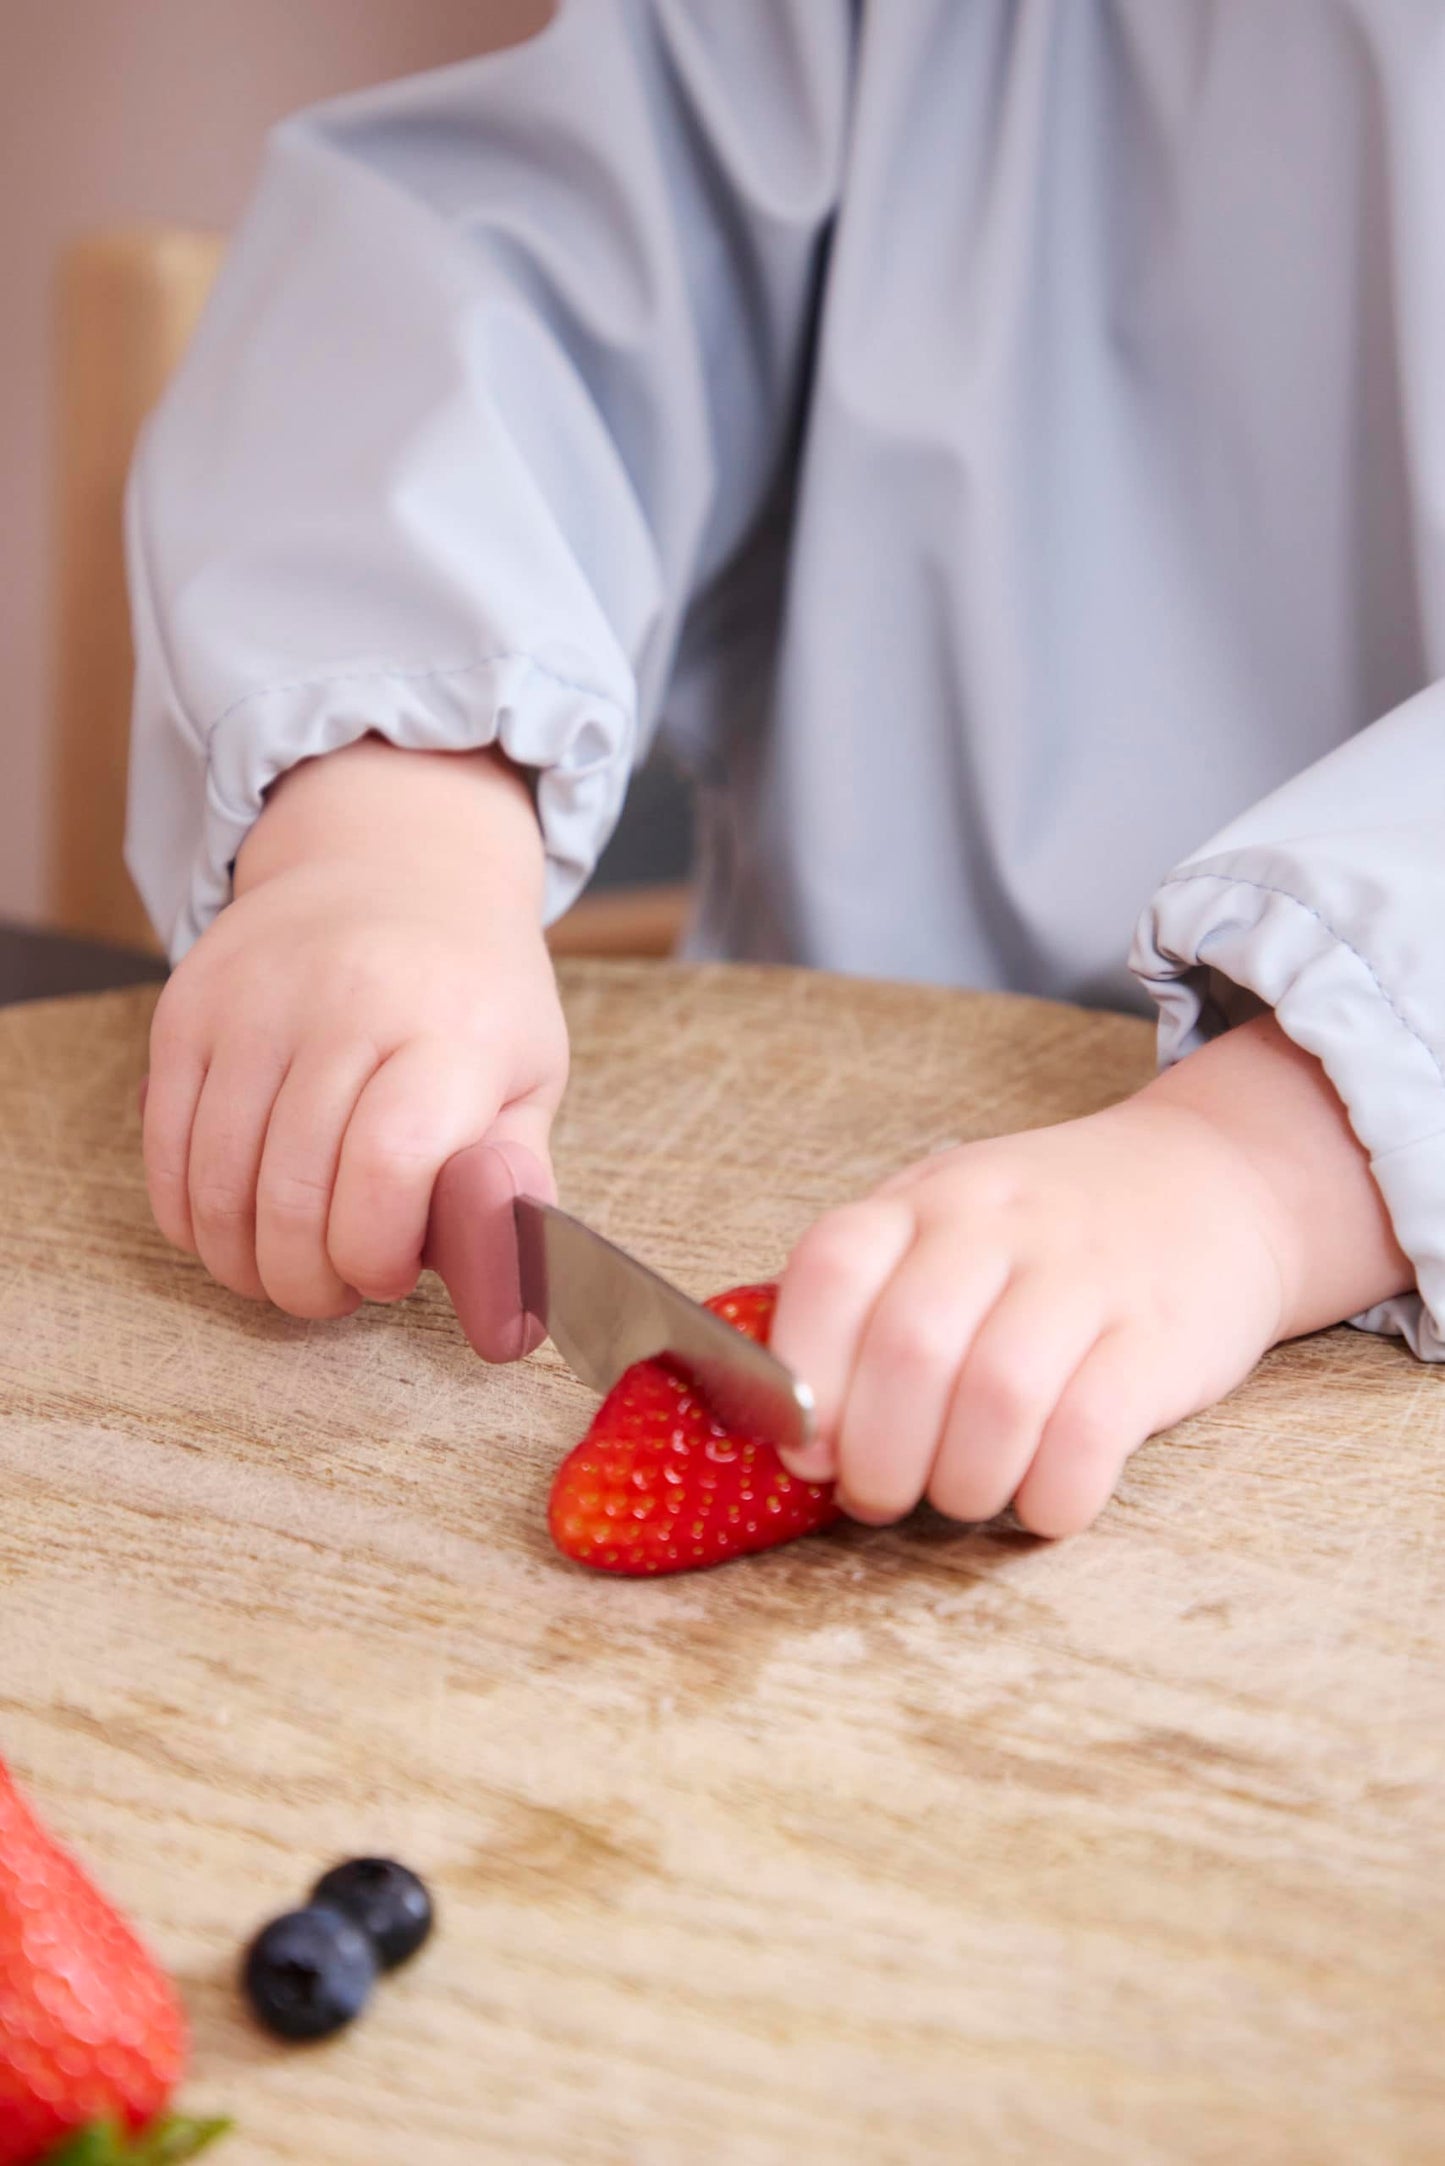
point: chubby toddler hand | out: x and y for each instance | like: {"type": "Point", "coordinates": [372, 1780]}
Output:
{"type": "Point", "coordinates": [1007, 1321]}
{"type": "Point", "coordinates": [377, 997]}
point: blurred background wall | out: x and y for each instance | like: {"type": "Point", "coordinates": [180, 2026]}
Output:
{"type": "Point", "coordinates": [123, 111]}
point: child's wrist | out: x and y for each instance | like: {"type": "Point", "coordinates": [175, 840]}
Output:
{"type": "Point", "coordinates": [1309, 1177]}
{"type": "Point", "coordinates": [379, 809]}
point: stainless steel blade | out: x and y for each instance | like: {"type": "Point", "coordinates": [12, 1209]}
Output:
{"type": "Point", "coordinates": [604, 1311]}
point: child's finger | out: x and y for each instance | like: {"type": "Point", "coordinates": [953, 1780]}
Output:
{"type": "Point", "coordinates": [1110, 1408]}
{"type": "Point", "coordinates": [173, 1089]}
{"type": "Point", "coordinates": [834, 1276]}
{"type": "Point", "coordinates": [227, 1137]}
{"type": "Point", "coordinates": [1015, 1374]}
{"type": "Point", "coordinates": [423, 1104]}
{"type": "Point", "coordinates": [298, 1175]}
{"type": "Point", "coordinates": [918, 1334]}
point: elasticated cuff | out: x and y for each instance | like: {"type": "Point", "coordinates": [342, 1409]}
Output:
{"type": "Point", "coordinates": [577, 742]}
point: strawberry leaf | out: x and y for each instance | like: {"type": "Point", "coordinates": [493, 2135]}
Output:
{"type": "Point", "coordinates": [97, 2145]}
{"type": "Point", "coordinates": [165, 2143]}
{"type": "Point", "coordinates": [170, 2142]}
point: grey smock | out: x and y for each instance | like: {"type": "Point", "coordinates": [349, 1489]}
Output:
{"type": "Point", "coordinates": [999, 444]}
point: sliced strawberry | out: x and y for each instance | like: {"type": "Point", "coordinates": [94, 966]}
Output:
{"type": "Point", "coordinates": [90, 2029]}
{"type": "Point", "coordinates": [659, 1484]}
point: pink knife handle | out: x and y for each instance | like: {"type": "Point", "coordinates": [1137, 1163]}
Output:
{"type": "Point", "coordinates": [472, 1244]}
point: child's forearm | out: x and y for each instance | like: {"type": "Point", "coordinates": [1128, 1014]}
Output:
{"type": "Point", "coordinates": [1336, 1247]}
{"type": "Point", "coordinates": [371, 801]}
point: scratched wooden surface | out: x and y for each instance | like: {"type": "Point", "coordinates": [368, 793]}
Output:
{"type": "Point", "coordinates": [919, 1845]}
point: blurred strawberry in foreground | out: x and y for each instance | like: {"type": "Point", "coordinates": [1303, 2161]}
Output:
{"type": "Point", "coordinates": [92, 2038]}
{"type": "Point", "coordinates": [660, 1484]}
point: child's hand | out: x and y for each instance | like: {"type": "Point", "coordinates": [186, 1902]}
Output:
{"type": "Point", "coordinates": [378, 996]}
{"type": "Point", "coordinates": [1008, 1321]}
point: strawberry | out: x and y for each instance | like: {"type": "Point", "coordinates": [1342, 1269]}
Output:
{"type": "Point", "coordinates": [659, 1484]}
{"type": "Point", "coordinates": [92, 2039]}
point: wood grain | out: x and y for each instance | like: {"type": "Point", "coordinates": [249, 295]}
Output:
{"type": "Point", "coordinates": [930, 1844]}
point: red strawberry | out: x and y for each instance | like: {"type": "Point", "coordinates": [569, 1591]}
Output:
{"type": "Point", "coordinates": [659, 1484]}
{"type": "Point", "coordinates": [91, 2032]}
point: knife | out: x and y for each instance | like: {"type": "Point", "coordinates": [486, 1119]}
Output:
{"type": "Point", "coordinates": [519, 1269]}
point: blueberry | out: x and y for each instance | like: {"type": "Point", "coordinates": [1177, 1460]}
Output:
{"type": "Point", "coordinates": [309, 1973]}
{"type": "Point", "coordinates": [385, 1899]}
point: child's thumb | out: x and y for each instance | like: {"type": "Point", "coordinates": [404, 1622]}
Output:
{"type": "Point", "coordinates": [523, 1134]}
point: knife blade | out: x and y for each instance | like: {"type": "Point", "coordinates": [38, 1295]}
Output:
{"type": "Point", "coordinates": [603, 1311]}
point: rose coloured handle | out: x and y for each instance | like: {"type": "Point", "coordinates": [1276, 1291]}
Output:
{"type": "Point", "coordinates": [472, 1244]}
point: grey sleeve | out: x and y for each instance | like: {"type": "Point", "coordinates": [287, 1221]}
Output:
{"type": "Point", "coordinates": [1326, 903]}
{"type": "Point", "coordinates": [501, 366]}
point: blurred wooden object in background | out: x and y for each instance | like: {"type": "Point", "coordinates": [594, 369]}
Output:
{"type": "Point", "coordinates": [128, 303]}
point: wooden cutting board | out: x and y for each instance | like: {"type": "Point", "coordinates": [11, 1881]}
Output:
{"type": "Point", "coordinates": [918, 1845]}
